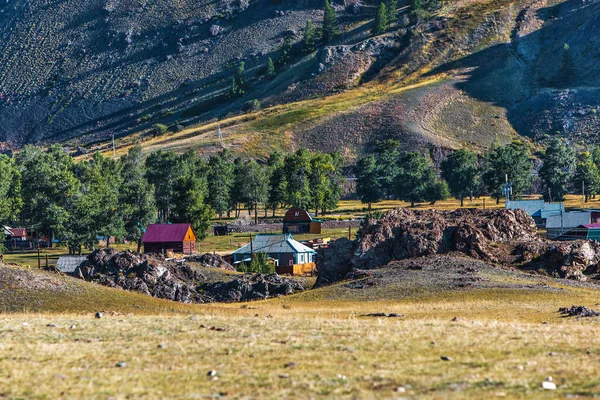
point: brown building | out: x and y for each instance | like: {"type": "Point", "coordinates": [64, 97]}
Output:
{"type": "Point", "coordinates": [175, 238]}
{"type": "Point", "coordinates": [297, 220]}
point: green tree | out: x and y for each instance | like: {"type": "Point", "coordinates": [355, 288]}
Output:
{"type": "Point", "coordinates": [596, 155]}
{"type": "Point", "coordinates": [137, 195]}
{"type": "Point", "coordinates": [277, 182]}
{"type": "Point", "coordinates": [380, 23]}
{"type": "Point", "coordinates": [309, 37]}
{"type": "Point", "coordinates": [557, 169]}
{"type": "Point", "coordinates": [387, 154]}
{"type": "Point", "coordinates": [101, 181]}
{"type": "Point", "coordinates": [270, 68]}
{"type": "Point", "coordinates": [49, 188]}
{"type": "Point", "coordinates": [321, 167]}
{"type": "Point", "coordinates": [587, 176]}
{"type": "Point", "coordinates": [416, 178]}
{"type": "Point", "coordinates": [238, 85]}
{"type": "Point", "coordinates": [392, 11]}
{"type": "Point", "coordinates": [501, 161]}
{"type": "Point", "coordinates": [220, 182]}
{"type": "Point", "coordinates": [437, 191]}
{"type": "Point", "coordinates": [330, 23]}
{"type": "Point", "coordinates": [297, 174]}
{"type": "Point", "coordinates": [460, 171]}
{"type": "Point", "coordinates": [368, 184]}
{"type": "Point", "coordinates": [162, 171]}
{"type": "Point", "coordinates": [189, 205]}
{"type": "Point", "coordinates": [260, 264]}
{"type": "Point", "coordinates": [10, 190]}
{"type": "Point", "coordinates": [335, 183]}
{"type": "Point", "coordinates": [255, 185]}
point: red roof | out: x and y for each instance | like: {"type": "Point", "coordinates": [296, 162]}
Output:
{"type": "Point", "coordinates": [19, 232]}
{"type": "Point", "coordinates": [162, 233]}
{"type": "Point", "coordinates": [591, 226]}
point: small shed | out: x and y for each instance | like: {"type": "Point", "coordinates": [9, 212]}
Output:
{"type": "Point", "coordinates": [19, 233]}
{"type": "Point", "coordinates": [582, 232]}
{"type": "Point", "coordinates": [291, 256]}
{"type": "Point", "coordinates": [174, 238]}
{"type": "Point", "coordinates": [539, 210]}
{"type": "Point", "coordinates": [297, 220]}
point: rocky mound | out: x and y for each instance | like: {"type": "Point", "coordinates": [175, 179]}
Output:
{"type": "Point", "coordinates": [157, 277]}
{"type": "Point", "coordinates": [210, 260]}
{"type": "Point", "coordinates": [500, 236]}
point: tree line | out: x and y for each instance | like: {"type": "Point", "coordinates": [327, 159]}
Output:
{"type": "Point", "coordinates": [77, 202]}
{"type": "Point", "coordinates": [389, 174]}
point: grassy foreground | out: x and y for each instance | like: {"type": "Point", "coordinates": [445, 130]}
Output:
{"type": "Point", "coordinates": [504, 344]}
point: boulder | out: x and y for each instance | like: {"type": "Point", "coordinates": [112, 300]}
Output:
{"type": "Point", "coordinates": [210, 260]}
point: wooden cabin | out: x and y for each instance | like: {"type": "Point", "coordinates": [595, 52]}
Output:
{"type": "Point", "coordinates": [297, 220]}
{"type": "Point", "coordinates": [174, 238]}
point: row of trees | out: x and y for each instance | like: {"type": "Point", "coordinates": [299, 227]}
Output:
{"type": "Point", "coordinates": [411, 176]}
{"type": "Point", "coordinates": [76, 202]}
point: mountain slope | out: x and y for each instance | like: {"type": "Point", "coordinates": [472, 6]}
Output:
{"type": "Point", "coordinates": [475, 73]}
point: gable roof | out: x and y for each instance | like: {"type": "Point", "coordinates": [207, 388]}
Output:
{"type": "Point", "coordinates": [7, 230]}
{"type": "Point", "coordinates": [162, 233]}
{"type": "Point", "coordinates": [590, 226]}
{"type": "Point", "coordinates": [274, 243]}
{"type": "Point", "coordinates": [19, 232]}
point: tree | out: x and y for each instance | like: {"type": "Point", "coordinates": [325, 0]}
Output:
{"type": "Point", "coordinates": [309, 37]}
{"type": "Point", "coordinates": [587, 176]}
{"type": "Point", "coordinates": [49, 188]}
{"type": "Point", "coordinates": [596, 155]}
{"type": "Point", "coordinates": [392, 11]}
{"type": "Point", "coordinates": [321, 166]}
{"type": "Point", "coordinates": [137, 195]}
{"type": "Point", "coordinates": [416, 179]}
{"type": "Point", "coordinates": [220, 182]}
{"type": "Point", "coordinates": [502, 161]}
{"type": "Point", "coordinates": [162, 171]}
{"type": "Point", "coordinates": [277, 182]}
{"type": "Point", "coordinates": [255, 185]}
{"type": "Point", "coordinates": [368, 184]}
{"type": "Point", "coordinates": [330, 24]}
{"type": "Point", "coordinates": [189, 205]}
{"type": "Point", "coordinates": [437, 191]}
{"type": "Point", "coordinates": [380, 23]}
{"type": "Point", "coordinates": [10, 190]}
{"type": "Point", "coordinates": [270, 68]}
{"type": "Point", "coordinates": [557, 169]}
{"type": "Point", "coordinates": [460, 171]}
{"type": "Point", "coordinates": [100, 186]}
{"type": "Point", "coordinates": [335, 183]}
{"type": "Point", "coordinates": [297, 173]}
{"type": "Point", "coordinates": [387, 154]}
{"type": "Point", "coordinates": [238, 85]}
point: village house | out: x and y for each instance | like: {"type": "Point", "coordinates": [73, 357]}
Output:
{"type": "Point", "coordinates": [539, 210]}
{"type": "Point", "coordinates": [173, 238]}
{"type": "Point", "coordinates": [297, 220]}
{"type": "Point", "coordinates": [290, 256]}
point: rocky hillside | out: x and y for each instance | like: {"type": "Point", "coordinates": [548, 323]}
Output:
{"type": "Point", "coordinates": [474, 73]}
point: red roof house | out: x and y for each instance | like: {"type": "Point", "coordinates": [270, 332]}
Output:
{"type": "Point", "coordinates": [19, 233]}
{"type": "Point", "coordinates": [175, 238]}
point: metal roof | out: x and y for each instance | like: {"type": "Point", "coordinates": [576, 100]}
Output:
{"type": "Point", "coordinates": [162, 233]}
{"type": "Point", "coordinates": [7, 231]}
{"type": "Point", "coordinates": [570, 219]}
{"type": "Point", "coordinates": [591, 226]}
{"type": "Point", "coordinates": [536, 208]}
{"type": "Point", "coordinates": [68, 264]}
{"type": "Point", "coordinates": [274, 244]}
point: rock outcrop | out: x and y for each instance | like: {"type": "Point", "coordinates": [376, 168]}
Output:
{"type": "Point", "coordinates": [210, 260]}
{"type": "Point", "coordinates": [157, 277]}
{"type": "Point", "coordinates": [506, 237]}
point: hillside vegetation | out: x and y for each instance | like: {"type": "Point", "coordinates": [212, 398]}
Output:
{"type": "Point", "coordinates": [474, 73]}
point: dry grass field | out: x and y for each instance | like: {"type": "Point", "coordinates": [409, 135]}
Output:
{"type": "Point", "coordinates": [316, 344]}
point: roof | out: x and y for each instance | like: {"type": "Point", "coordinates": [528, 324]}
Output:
{"type": "Point", "coordinates": [7, 230]}
{"type": "Point", "coordinates": [570, 219]}
{"type": "Point", "coordinates": [274, 243]}
{"type": "Point", "coordinates": [19, 232]}
{"type": "Point", "coordinates": [162, 233]}
{"type": "Point", "coordinates": [536, 208]}
{"type": "Point", "coordinates": [297, 214]}
{"type": "Point", "coordinates": [590, 226]}
{"type": "Point", "coordinates": [69, 264]}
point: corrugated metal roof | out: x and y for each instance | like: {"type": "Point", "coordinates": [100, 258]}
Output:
{"type": "Point", "coordinates": [19, 232]}
{"type": "Point", "coordinates": [571, 219]}
{"type": "Point", "coordinates": [274, 244]}
{"type": "Point", "coordinates": [68, 264]}
{"type": "Point", "coordinates": [591, 226]}
{"type": "Point", "coordinates": [7, 231]}
{"type": "Point", "coordinates": [161, 233]}
{"type": "Point", "coordinates": [536, 208]}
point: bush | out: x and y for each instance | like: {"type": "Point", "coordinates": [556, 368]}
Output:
{"type": "Point", "coordinates": [252, 105]}
{"type": "Point", "coordinates": [145, 117]}
{"type": "Point", "coordinates": [160, 129]}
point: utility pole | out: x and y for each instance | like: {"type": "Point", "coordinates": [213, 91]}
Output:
{"type": "Point", "coordinates": [220, 136]}
{"type": "Point", "coordinates": [113, 144]}
{"type": "Point", "coordinates": [251, 249]}
{"type": "Point", "coordinates": [507, 191]}
{"type": "Point", "coordinates": [582, 192]}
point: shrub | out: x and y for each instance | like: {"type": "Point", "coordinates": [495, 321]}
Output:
{"type": "Point", "coordinates": [160, 129]}
{"type": "Point", "coordinates": [146, 117]}
{"type": "Point", "coordinates": [252, 105]}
